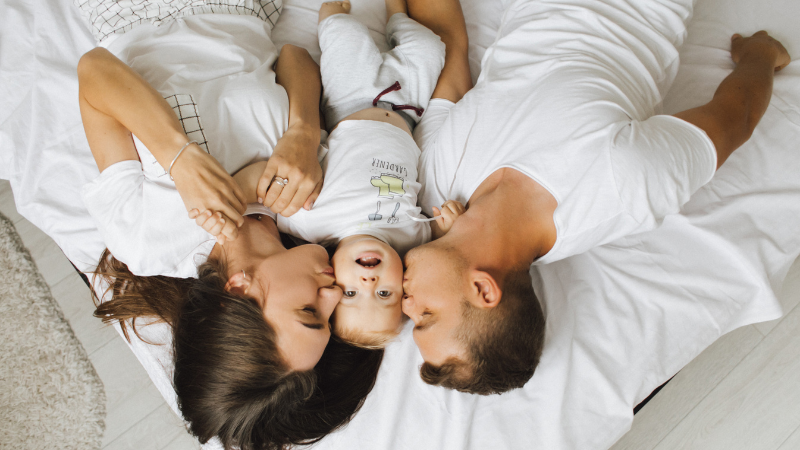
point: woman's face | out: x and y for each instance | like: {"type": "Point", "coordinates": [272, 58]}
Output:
{"type": "Point", "coordinates": [297, 293]}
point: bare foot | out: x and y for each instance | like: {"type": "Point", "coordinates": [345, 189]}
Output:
{"type": "Point", "coordinates": [330, 8]}
{"type": "Point", "coordinates": [395, 6]}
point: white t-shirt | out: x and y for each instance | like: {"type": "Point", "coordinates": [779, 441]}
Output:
{"type": "Point", "coordinates": [370, 188]}
{"type": "Point", "coordinates": [576, 115]}
{"type": "Point", "coordinates": [216, 72]}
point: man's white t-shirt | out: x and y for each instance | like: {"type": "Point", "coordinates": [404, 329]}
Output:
{"type": "Point", "coordinates": [216, 72]}
{"type": "Point", "coordinates": [567, 96]}
{"type": "Point", "coordinates": [370, 172]}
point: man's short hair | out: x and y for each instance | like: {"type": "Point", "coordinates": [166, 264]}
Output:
{"type": "Point", "coordinates": [503, 344]}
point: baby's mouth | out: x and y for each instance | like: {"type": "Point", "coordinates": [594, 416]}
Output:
{"type": "Point", "coordinates": [369, 260]}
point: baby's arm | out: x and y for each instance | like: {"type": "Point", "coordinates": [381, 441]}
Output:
{"type": "Point", "coordinates": [445, 217]}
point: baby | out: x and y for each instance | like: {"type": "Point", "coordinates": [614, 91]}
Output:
{"type": "Point", "coordinates": [371, 102]}
{"type": "Point", "coordinates": [368, 206]}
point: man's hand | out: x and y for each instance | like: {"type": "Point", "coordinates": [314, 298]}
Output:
{"type": "Point", "coordinates": [205, 185]}
{"type": "Point", "coordinates": [295, 159]}
{"type": "Point", "coordinates": [743, 96]}
{"type": "Point", "coordinates": [446, 216]}
{"type": "Point", "coordinates": [759, 45]}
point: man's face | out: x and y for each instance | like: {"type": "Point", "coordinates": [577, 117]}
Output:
{"type": "Point", "coordinates": [433, 282]}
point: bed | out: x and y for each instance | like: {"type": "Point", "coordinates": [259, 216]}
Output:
{"type": "Point", "coordinates": [621, 319]}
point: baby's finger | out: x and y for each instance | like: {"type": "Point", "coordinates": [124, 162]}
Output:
{"type": "Point", "coordinates": [436, 212]}
{"type": "Point", "coordinates": [452, 207]}
{"type": "Point", "coordinates": [201, 218]}
{"type": "Point", "coordinates": [232, 213]}
{"type": "Point", "coordinates": [193, 213]}
{"type": "Point", "coordinates": [215, 224]}
{"type": "Point", "coordinates": [230, 231]}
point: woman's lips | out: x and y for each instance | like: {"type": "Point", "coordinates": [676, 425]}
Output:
{"type": "Point", "coordinates": [328, 271]}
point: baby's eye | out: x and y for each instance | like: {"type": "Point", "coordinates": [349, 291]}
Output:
{"type": "Point", "coordinates": [384, 294]}
{"type": "Point", "coordinates": [350, 294]}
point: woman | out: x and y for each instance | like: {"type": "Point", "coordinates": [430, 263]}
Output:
{"type": "Point", "coordinates": [197, 100]}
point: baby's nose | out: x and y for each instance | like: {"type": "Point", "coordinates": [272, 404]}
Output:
{"type": "Point", "coordinates": [369, 279]}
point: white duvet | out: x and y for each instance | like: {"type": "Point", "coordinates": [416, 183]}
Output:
{"type": "Point", "coordinates": [622, 318]}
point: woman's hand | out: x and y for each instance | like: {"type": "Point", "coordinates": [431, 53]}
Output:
{"type": "Point", "coordinates": [205, 185]}
{"type": "Point", "coordinates": [295, 159]}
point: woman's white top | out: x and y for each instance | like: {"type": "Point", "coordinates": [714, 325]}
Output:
{"type": "Point", "coordinates": [216, 73]}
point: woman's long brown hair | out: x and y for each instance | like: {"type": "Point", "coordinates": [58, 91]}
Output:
{"type": "Point", "coordinates": [231, 381]}
{"type": "Point", "coordinates": [133, 296]}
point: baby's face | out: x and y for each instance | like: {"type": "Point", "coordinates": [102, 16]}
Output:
{"type": "Point", "coordinates": [370, 274]}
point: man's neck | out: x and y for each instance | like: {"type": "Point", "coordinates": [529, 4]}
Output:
{"type": "Point", "coordinates": [508, 223]}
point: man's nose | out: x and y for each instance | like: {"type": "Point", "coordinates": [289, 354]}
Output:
{"type": "Point", "coordinates": [407, 305]}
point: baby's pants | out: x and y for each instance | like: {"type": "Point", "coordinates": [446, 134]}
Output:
{"type": "Point", "coordinates": [354, 72]}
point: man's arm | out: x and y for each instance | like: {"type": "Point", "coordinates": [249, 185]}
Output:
{"type": "Point", "coordinates": [743, 96]}
{"type": "Point", "coordinates": [445, 18]}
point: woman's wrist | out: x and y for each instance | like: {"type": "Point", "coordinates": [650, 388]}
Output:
{"type": "Point", "coordinates": [305, 132]}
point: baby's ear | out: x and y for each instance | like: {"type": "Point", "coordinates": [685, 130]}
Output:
{"type": "Point", "coordinates": [238, 283]}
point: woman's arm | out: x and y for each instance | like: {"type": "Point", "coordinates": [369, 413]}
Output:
{"type": "Point", "coordinates": [295, 155]}
{"type": "Point", "coordinates": [116, 102]}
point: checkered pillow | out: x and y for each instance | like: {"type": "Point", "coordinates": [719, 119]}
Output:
{"type": "Point", "coordinates": [107, 17]}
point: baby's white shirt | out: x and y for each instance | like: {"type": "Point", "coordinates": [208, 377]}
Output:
{"type": "Point", "coordinates": [370, 188]}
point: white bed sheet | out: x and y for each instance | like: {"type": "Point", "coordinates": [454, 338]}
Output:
{"type": "Point", "coordinates": [622, 318]}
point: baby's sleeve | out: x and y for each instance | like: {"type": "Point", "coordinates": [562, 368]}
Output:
{"type": "Point", "coordinates": [144, 223]}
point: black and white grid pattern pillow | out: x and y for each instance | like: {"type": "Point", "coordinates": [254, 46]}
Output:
{"type": "Point", "coordinates": [107, 17]}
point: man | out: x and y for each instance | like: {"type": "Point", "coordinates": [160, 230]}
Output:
{"type": "Point", "coordinates": [557, 149]}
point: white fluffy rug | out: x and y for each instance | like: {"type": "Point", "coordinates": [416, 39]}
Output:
{"type": "Point", "coordinates": [50, 395]}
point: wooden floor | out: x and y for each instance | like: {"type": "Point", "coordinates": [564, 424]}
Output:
{"type": "Point", "coordinates": [137, 417]}
{"type": "Point", "coordinates": [742, 393]}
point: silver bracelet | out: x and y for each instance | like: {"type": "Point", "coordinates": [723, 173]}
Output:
{"type": "Point", "coordinates": [169, 171]}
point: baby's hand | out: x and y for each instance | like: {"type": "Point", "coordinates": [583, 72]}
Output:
{"type": "Point", "coordinates": [215, 224]}
{"type": "Point", "coordinates": [330, 8]}
{"type": "Point", "coordinates": [446, 216]}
